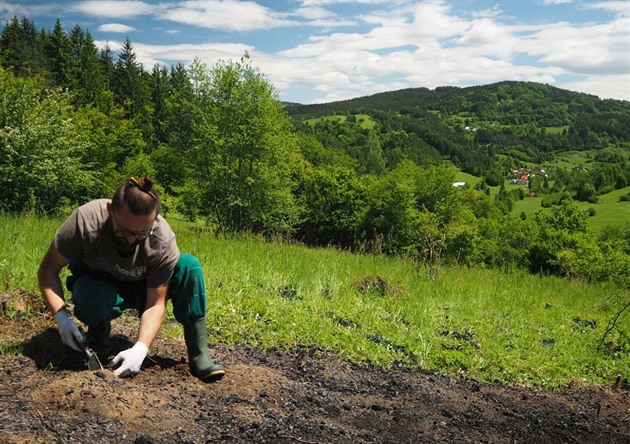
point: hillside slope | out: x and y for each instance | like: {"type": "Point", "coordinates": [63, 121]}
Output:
{"type": "Point", "coordinates": [47, 395]}
{"type": "Point", "coordinates": [503, 99]}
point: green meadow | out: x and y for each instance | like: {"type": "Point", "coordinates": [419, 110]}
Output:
{"type": "Point", "coordinates": [469, 179]}
{"type": "Point", "coordinates": [609, 211]}
{"type": "Point", "coordinates": [385, 312]}
{"type": "Point", "coordinates": [364, 119]}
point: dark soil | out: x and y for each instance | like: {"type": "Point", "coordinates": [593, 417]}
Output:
{"type": "Point", "coordinates": [48, 395]}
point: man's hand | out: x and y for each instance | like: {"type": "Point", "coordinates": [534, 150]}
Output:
{"type": "Point", "coordinates": [130, 360]}
{"type": "Point", "coordinates": [70, 333]}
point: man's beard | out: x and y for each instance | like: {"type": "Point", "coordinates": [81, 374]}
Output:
{"type": "Point", "coordinates": [123, 245]}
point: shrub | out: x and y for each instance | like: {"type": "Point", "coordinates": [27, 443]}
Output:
{"type": "Point", "coordinates": [593, 199]}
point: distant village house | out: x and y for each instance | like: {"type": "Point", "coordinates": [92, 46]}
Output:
{"type": "Point", "coordinates": [521, 176]}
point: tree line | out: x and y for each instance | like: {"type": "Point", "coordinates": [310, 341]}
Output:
{"type": "Point", "coordinates": [75, 121]}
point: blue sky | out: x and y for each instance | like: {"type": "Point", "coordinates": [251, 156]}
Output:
{"type": "Point", "coordinates": [315, 51]}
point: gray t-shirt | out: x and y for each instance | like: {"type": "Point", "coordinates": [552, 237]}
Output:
{"type": "Point", "coordinates": [88, 235]}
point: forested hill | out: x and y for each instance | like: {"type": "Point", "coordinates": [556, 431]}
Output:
{"type": "Point", "coordinates": [508, 103]}
{"type": "Point", "coordinates": [521, 121]}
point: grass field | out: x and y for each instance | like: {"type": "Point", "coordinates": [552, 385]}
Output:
{"type": "Point", "coordinates": [609, 211]}
{"type": "Point", "coordinates": [383, 311]}
{"type": "Point", "coordinates": [570, 159]}
{"type": "Point", "coordinates": [470, 180]}
{"type": "Point", "coordinates": [366, 121]}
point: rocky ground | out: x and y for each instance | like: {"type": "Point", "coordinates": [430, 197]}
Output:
{"type": "Point", "coordinates": [48, 395]}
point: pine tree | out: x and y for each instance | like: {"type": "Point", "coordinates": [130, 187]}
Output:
{"type": "Point", "coordinates": [88, 75]}
{"type": "Point", "coordinates": [61, 63]}
{"type": "Point", "coordinates": [128, 84]}
{"type": "Point", "coordinates": [160, 91]}
{"type": "Point", "coordinates": [21, 48]}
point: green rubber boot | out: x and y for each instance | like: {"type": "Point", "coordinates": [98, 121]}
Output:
{"type": "Point", "coordinates": [199, 359]}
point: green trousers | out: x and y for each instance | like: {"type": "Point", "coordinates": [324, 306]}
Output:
{"type": "Point", "coordinates": [98, 297]}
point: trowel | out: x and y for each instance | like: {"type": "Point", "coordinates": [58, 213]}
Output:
{"type": "Point", "coordinates": [93, 362]}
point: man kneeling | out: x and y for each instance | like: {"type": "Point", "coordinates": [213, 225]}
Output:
{"type": "Point", "coordinates": [123, 255]}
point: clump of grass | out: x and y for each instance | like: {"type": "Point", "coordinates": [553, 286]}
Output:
{"type": "Point", "coordinates": [379, 286]}
{"type": "Point", "coordinates": [11, 349]}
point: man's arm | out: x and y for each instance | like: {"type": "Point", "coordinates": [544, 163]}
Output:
{"type": "Point", "coordinates": [52, 291]}
{"type": "Point", "coordinates": [130, 361]}
{"type": "Point", "coordinates": [151, 320]}
{"type": "Point", "coordinates": [48, 277]}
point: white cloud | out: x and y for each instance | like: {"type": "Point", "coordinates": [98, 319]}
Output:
{"type": "Point", "coordinates": [434, 19]}
{"type": "Point", "coordinates": [313, 12]}
{"type": "Point", "coordinates": [487, 37]}
{"type": "Point", "coordinates": [603, 86]}
{"type": "Point", "coordinates": [329, 23]}
{"type": "Point", "coordinates": [114, 8]}
{"type": "Point", "coordinates": [556, 2]}
{"type": "Point", "coordinates": [589, 49]}
{"type": "Point", "coordinates": [9, 10]}
{"type": "Point", "coordinates": [413, 26]}
{"type": "Point", "coordinates": [168, 55]}
{"type": "Point", "coordinates": [226, 14]}
{"type": "Point", "coordinates": [486, 13]}
{"type": "Point", "coordinates": [620, 7]}
{"type": "Point", "coordinates": [366, 2]}
{"type": "Point", "coordinates": [319, 17]}
{"type": "Point", "coordinates": [116, 27]}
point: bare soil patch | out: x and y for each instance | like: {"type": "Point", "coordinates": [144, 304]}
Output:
{"type": "Point", "coordinates": [304, 396]}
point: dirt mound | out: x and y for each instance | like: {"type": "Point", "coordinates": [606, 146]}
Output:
{"type": "Point", "coordinates": [48, 395]}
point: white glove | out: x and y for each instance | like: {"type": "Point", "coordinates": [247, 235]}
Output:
{"type": "Point", "coordinates": [130, 360]}
{"type": "Point", "coordinates": [70, 333]}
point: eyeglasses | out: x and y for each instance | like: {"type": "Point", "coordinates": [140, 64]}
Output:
{"type": "Point", "coordinates": [130, 234]}
{"type": "Point", "coordinates": [137, 236]}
